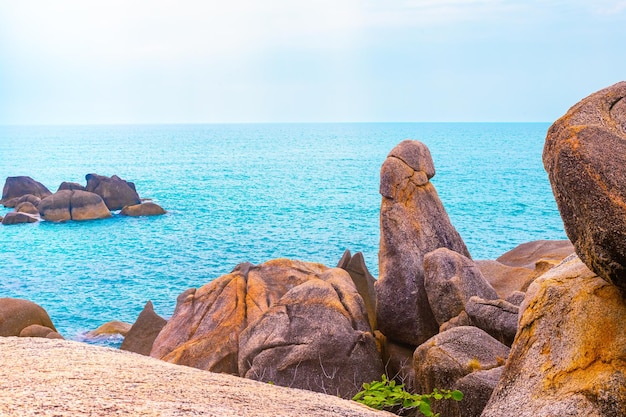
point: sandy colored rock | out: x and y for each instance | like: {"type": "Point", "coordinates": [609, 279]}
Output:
{"type": "Point", "coordinates": [41, 377]}
{"type": "Point", "coordinates": [143, 209]}
{"type": "Point", "coordinates": [15, 217]}
{"type": "Point", "coordinates": [110, 328]}
{"type": "Point", "coordinates": [73, 205]}
{"type": "Point", "coordinates": [413, 222]}
{"type": "Point", "coordinates": [27, 207]}
{"type": "Point", "coordinates": [364, 281]}
{"type": "Point", "coordinates": [37, 330]}
{"type": "Point", "coordinates": [17, 314]}
{"type": "Point", "coordinates": [568, 358]}
{"type": "Point", "coordinates": [584, 158]}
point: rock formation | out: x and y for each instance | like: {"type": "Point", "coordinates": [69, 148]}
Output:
{"type": "Point", "coordinates": [446, 358]}
{"type": "Point", "coordinates": [17, 314]}
{"type": "Point", "coordinates": [364, 281]}
{"type": "Point", "coordinates": [276, 320]}
{"type": "Point", "coordinates": [16, 187]}
{"type": "Point", "coordinates": [71, 186]}
{"type": "Point", "coordinates": [115, 191]}
{"type": "Point", "coordinates": [568, 358]}
{"type": "Point", "coordinates": [584, 157]}
{"type": "Point", "coordinates": [73, 205]}
{"type": "Point", "coordinates": [146, 328]}
{"type": "Point", "coordinates": [413, 222]}
{"type": "Point", "coordinates": [144, 209]}
{"type": "Point", "coordinates": [114, 327]}
{"type": "Point", "coordinates": [450, 280]}
{"type": "Point", "coordinates": [15, 217]}
{"type": "Point", "coordinates": [37, 330]}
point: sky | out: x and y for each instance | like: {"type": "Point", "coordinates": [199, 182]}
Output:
{"type": "Point", "coordinates": [247, 61]}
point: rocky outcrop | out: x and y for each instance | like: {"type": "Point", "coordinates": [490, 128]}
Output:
{"type": "Point", "coordinates": [17, 314]}
{"type": "Point", "coordinates": [568, 355]}
{"type": "Point", "coordinates": [450, 280]}
{"type": "Point", "coordinates": [143, 209]}
{"type": "Point", "coordinates": [16, 187]}
{"type": "Point", "coordinates": [71, 186]}
{"type": "Point", "coordinates": [364, 281]}
{"type": "Point", "coordinates": [444, 360]}
{"type": "Point", "coordinates": [15, 217]}
{"type": "Point", "coordinates": [315, 337]}
{"type": "Point", "coordinates": [33, 199]}
{"type": "Point", "coordinates": [479, 386]}
{"type": "Point", "coordinates": [115, 191]}
{"type": "Point", "coordinates": [41, 377]}
{"type": "Point", "coordinates": [146, 328]}
{"type": "Point", "coordinates": [27, 207]}
{"type": "Point", "coordinates": [272, 321]}
{"type": "Point", "coordinates": [496, 317]}
{"type": "Point", "coordinates": [73, 205]}
{"type": "Point", "coordinates": [584, 157]}
{"type": "Point", "coordinates": [413, 222]}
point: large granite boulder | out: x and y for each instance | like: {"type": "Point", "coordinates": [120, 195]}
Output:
{"type": "Point", "coordinates": [398, 361]}
{"type": "Point", "coordinates": [143, 209]}
{"type": "Point", "coordinates": [109, 328]}
{"type": "Point", "coordinates": [27, 207]}
{"type": "Point", "coordinates": [496, 317]}
{"type": "Point", "coordinates": [444, 360]}
{"type": "Point", "coordinates": [71, 186]}
{"type": "Point", "coordinates": [272, 321]}
{"type": "Point", "coordinates": [16, 187]}
{"type": "Point", "coordinates": [37, 330]}
{"type": "Point", "coordinates": [364, 281]}
{"type": "Point", "coordinates": [568, 358]}
{"type": "Point", "coordinates": [584, 157]}
{"type": "Point", "coordinates": [17, 314]}
{"type": "Point", "coordinates": [73, 205]}
{"type": "Point", "coordinates": [146, 328]}
{"type": "Point", "coordinates": [33, 199]}
{"type": "Point", "coordinates": [16, 217]}
{"type": "Point", "coordinates": [450, 280]}
{"type": "Point", "coordinates": [316, 337]}
{"type": "Point", "coordinates": [413, 222]}
{"type": "Point", "coordinates": [115, 191]}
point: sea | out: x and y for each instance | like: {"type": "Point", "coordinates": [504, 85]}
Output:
{"type": "Point", "coordinates": [248, 193]}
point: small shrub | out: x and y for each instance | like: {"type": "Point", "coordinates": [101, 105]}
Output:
{"type": "Point", "coordinates": [386, 394]}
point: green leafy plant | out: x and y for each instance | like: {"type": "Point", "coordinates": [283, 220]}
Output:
{"type": "Point", "coordinates": [386, 394]}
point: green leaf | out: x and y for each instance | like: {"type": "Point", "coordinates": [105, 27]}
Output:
{"type": "Point", "coordinates": [457, 395]}
{"type": "Point", "coordinates": [425, 409]}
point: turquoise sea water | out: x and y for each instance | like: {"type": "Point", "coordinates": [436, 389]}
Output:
{"type": "Point", "coordinates": [249, 193]}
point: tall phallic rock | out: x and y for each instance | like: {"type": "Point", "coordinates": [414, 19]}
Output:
{"type": "Point", "coordinates": [569, 354]}
{"type": "Point", "coordinates": [584, 157]}
{"type": "Point", "coordinates": [413, 222]}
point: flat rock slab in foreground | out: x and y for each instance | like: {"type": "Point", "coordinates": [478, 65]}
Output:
{"type": "Point", "coordinates": [63, 378]}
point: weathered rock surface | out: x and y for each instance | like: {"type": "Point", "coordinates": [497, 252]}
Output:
{"type": "Point", "coordinates": [73, 205]}
{"type": "Point", "coordinates": [496, 317]}
{"type": "Point", "coordinates": [364, 281]}
{"type": "Point", "coordinates": [568, 358]}
{"type": "Point", "coordinates": [146, 328]}
{"type": "Point", "coordinates": [505, 279]}
{"type": "Point", "coordinates": [110, 328]}
{"type": "Point", "coordinates": [413, 223]}
{"type": "Point", "coordinates": [115, 191]}
{"type": "Point", "coordinates": [443, 360]}
{"type": "Point", "coordinates": [398, 362]}
{"type": "Point", "coordinates": [40, 377]}
{"type": "Point", "coordinates": [477, 388]}
{"type": "Point", "coordinates": [274, 319]}
{"type": "Point", "coordinates": [17, 314]}
{"type": "Point", "coordinates": [528, 254]}
{"type": "Point", "coordinates": [33, 199]}
{"type": "Point", "coordinates": [16, 187]}
{"type": "Point", "coordinates": [584, 157]}
{"type": "Point", "coordinates": [37, 330]}
{"type": "Point", "coordinates": [143, 209]}
{"type": "Point", "coordinates": [315, 337]}
{"type": "Point", "coordinates": [15, 217]}
{"type": "Point", "coordinates": [27, 207]}
{"type": "Point", "coordinates": [71, 186]}
{"type": "Point", "coordinates": [450, 279]}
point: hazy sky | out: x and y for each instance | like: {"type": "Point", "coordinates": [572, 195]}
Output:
{"type": "Point", "coordinates": [160, 61]}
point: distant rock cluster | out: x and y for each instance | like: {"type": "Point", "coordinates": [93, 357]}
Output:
{"type": "Point", "coordinates": [32, 201]}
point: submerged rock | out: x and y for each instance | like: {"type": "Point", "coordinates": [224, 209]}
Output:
{"type": "Point", "coordinates": [568, 356]}
{"type": "Point", "coordinates": [110, 328]}
{"type": "Point", "coordinates": [584, 157]}
{"type": "Point", "coordinates": [16, 217]}
{"type": "Point", "coordinates": [16, 187]}
{"type": "Point", "coordinates": [413, 222]}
